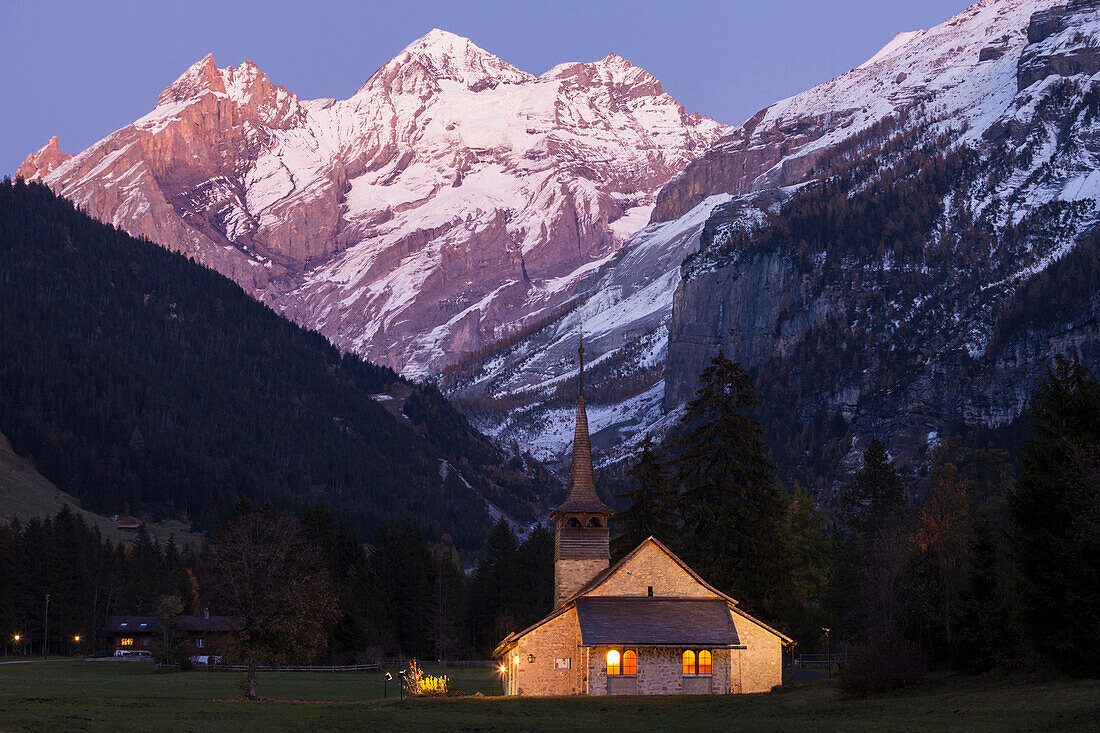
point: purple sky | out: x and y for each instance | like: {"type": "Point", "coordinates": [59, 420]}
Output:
{"type": "Point", "coordinates": [83, 69]}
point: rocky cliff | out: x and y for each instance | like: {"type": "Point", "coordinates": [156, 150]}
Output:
{"type": "Point", "coordinates": [452, 200]}
{"type": "Point", "coordinates": [933, 204]}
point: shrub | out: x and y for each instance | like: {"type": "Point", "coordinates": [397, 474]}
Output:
{"type": "Point", "coordinates": [883, 667]}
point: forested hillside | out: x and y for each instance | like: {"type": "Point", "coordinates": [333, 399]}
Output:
{"type": "Point", "coordinates": [142, 383]}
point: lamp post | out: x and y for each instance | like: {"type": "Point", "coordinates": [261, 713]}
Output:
{"type": "Point", "coordinates": [829, 641]}
{"type": "Point", "coordinates": [15, 643]}
{"type": "Point", "coordinates": [46, 631]}
{"type": "Point", "coordinates": [76, 644]}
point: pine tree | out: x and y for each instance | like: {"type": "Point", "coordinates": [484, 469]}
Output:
{"type": "Point", "coordinates": [1055, 511]}
{"type": "Point", "coordinates": [732, 508]}
{"type": "Point", "coordinates": [651, 508]}
{"type": "Point", "coordinates": [875, 496]}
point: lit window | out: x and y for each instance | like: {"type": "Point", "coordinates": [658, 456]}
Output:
{"type": "Point", "coordinates": [613, 665]}
{"type": "Point", "coordinates": [126, 641]}
{"type": "Point", "coordinates": [200, 643]}
{"type": "Point", "coordinates": [689, 662]}
{"type": "Point", "coordinates": [144, 625]}
{"type": "Point", "coordinates": [704, 662]}
{"type": "Point", "coordinates": [124, 623]}
{"type": "Point", "coordinates": [630, 662]}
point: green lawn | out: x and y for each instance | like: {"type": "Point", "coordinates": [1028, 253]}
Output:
{"type": "Point", "coordinates": [124, 696]}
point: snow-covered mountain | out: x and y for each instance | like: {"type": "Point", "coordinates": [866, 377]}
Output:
{"type": "Point", "coordinates": [450, 202]}
{"type": "Point", "coordinates": [1012, 81]}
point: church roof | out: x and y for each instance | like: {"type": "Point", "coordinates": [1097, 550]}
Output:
{"type": "Point", "coordinates": [581, 495]}
{"type": "Point", "coordinates": [654, 622]}
{"type": "Point", "coordinates": [582, 595]}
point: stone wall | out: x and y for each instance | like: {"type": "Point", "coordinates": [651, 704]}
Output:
{"type": "Point", "coordinates": [660, 671]}
{"type": "Point", "coordinates": [571, 575]}
{"type": "Point", "coordinates": [558, 637]}
{"type": "Point", "coordinates": [758, 667]}
{"type": "Point", "coordinates": [652, 567]}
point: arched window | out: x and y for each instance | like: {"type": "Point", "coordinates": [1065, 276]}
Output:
{"type": "Point", "coordinates": [573, 522]}
{"type": "Point", "coordinates": [689, 662]}
{"type": "Point", "coordinates": [593, 522]}
{"type": "Point", "coordinates": [613, 665]}
{"type": "Point", "coordinates": [630, 662]}
{"type": "Point", "coordinates": [704, 662]}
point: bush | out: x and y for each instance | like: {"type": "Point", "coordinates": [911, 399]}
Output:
{"type": "Point", "coordinates": [883, 667]}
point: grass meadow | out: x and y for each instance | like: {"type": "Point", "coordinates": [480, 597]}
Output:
{"type": "Point", "coordinates": [128, 696]}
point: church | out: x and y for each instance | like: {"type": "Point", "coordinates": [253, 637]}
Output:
{"type": "Point", "coordinates": [647, 625]}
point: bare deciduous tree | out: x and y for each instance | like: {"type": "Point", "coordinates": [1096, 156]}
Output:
{"type": "Point", "coordinates": [264, 572]}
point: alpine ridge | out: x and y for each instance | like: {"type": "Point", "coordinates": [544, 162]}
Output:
{"type": "Point", "coordinates": [450, 202]}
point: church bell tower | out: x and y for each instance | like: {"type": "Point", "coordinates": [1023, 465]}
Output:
{"type": "Point", "coordinates": [581, 534]}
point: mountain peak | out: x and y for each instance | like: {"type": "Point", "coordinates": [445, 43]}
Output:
{"type": "Point", "coordinates": [40, 163]}
{"type": "Point", "coordinates": [200, 76]}
{"type": "Point", "coordinates": [442, 55]}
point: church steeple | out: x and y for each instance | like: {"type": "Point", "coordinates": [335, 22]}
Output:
{"type": "Point", "coordinates": [581, 535]}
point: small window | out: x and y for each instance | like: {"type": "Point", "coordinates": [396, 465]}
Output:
{"type": "Point", "coordinates": [200, 643]}
{"type": "Point", "coordinates": [614, 666]}
{"type": "Point", "coordinates": [704, 662]}
{"type": "Point", "coordinates": [630, 662]}
{"type": "Point", "coordinates": [573, 522]}
{"type": "Point", "coordinates": [650, 589]}
{"type": "Point", "coordinates": [593, 522]}
{"type": "Point", "coordinates": [126, 641]}
{"type": "Point", "coordinates": [689, 662]}
{"type": "Point", "coordinates": [146, 641]}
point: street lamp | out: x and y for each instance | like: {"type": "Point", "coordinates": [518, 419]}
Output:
{"type": "Point", "coordinates": [829, 641]}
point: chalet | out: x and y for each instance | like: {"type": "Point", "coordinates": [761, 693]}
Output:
{"type": "Point", "coordinates": [646, 625]}
{"type": "Point", "coordinates": [202, 635]}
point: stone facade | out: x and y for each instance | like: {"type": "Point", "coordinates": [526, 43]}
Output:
{"type": "Point", "coordinates": [652, 567]}
{"type": "Point", "coordinates": [753, 665]}
{"type": "Point", "coordinates": [760, 664]}
{"type": "Point", "coordinates": [571, 575]}
{"type": "Point", "coordinates": [660, 672]}
{"type": "Point", "coordinates": [553, 640]}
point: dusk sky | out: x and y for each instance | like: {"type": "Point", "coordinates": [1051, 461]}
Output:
{"type": "Point", "coordinates": [81, 70]}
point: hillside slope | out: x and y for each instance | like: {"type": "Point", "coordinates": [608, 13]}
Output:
{"type": "Point", "coordinates": [140, 382]}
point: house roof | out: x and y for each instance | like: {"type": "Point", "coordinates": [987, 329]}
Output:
{"type": "Point", "coordinates": [679, 622]}
{"type": "Point", "coordinates": [132, 625]}
{"type": "Point", "coordinates": [154, 625]}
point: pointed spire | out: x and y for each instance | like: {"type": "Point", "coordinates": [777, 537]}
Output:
{"type": "Point", "coordinates": [581, 495]}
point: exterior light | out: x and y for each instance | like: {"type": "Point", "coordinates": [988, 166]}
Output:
{"type": "Point", "coordinates": [515, 659]}
{"type": "Point", "coordinates": [16, 637]}
{"type": "Point", "coordinates": [76, 638]}
{"type": "Point", "coordinates": [503, 669]}
{"type": "Point", "coordinates": [530, 658]}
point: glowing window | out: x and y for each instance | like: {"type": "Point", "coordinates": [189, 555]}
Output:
{"type": "Point", "coordinates": [613, 665]}
{"type": "Point", "coordinates": [630, 662]}
{"type": "Point", "coordinates": [689, 662]}
{"type": "Point", "coordinates": [704, 662]}
{"type": "Point", "coordinates": [126, 641]}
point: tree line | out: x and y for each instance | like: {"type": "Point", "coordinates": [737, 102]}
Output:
{"type": "Point", "coordinates": [981, 563]}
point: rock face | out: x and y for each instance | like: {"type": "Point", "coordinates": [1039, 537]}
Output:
{"type": "Point", "coordinates": [452, 200]}
{"type": "Point", "coordinates": [925, 340]}
{"type": "Point", "coordinates": [43, 162]}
